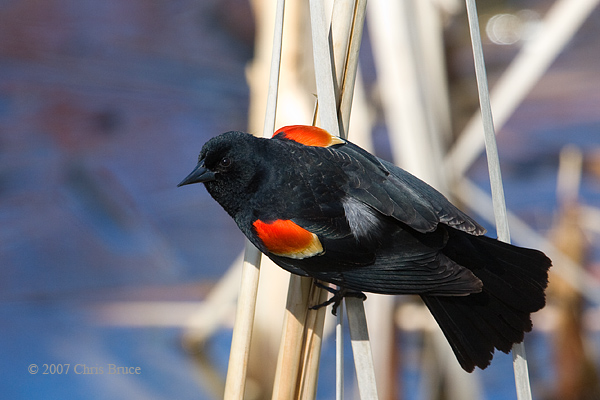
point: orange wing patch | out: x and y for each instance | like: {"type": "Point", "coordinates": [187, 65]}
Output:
{"type": "Point", "coordinates": [309, 135]}
{"type": "Point", "coordinates": [287, 239]}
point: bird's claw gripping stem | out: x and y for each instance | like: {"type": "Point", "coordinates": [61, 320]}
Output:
{"type": "Point", "coordinates": [338, 296]}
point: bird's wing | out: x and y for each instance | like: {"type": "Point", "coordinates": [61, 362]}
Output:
{"type": "Point", "coordinates": [409, 263]}
{"type": "Point", "coordinates": [394, 192]}
{"type": "Point", "coordinates": [387, 188]}
{"type": "Point", "coordinates": [350, 202]}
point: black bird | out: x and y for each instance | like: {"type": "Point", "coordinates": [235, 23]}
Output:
{"type": "Point", "coordinates": [320, 206]}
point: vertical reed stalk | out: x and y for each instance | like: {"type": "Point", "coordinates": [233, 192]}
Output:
{"type": "Point", "coordinates": [298, 360]}
{"type": "Point", "coordinates": [519, 358]}
{"type": "Point", "coordinates": [560, 24]}
{"type": "Point", "coordinates": [294, 337]}
{"type": "Point", "coordinates": [339, 354]}
{"type": "Point", "coordinates": [242, 330]}
{"type": "Point", "coordinates": [329, 121]}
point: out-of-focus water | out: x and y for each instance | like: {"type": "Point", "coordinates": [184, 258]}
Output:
{"type": "Point", "coordinates": [103, 109]}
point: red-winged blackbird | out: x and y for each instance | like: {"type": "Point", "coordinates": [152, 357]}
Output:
{"type": "Point", "coordinates": [320, 206]}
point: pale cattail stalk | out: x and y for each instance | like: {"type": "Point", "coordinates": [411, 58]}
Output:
{"type": "Point", "coordinates": [522, 383]}
{"type": "Point", "coordinates": [242, 331]}
{"type": "Point", "coordinates": [557, 28]}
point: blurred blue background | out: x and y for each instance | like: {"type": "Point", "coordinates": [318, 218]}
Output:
{"type": "Point", "coordinates": [103, 109]}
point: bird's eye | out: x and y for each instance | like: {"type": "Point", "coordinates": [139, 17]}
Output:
{"type": "Point", "coordinates": [225, 162]}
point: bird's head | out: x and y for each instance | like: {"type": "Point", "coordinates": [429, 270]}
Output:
{"type": "Point", "coordinates": [229, 167]}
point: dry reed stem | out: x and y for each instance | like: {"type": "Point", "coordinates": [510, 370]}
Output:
{"type": "Point", "coordinates": [398, 40]}
{"type": "Point", "coordinates": [298, 359]}
{"type": "Point", "coordinates": [323, 68]}
{"type": "Point", "coordinates": [346, 38]}
{"type": "Point", "coordinates": [361, 347]}
{"type": "Point", "coordinates": [329, 121]}
{"type": "Point", "coordinates": [521, 370]}
{"type": "Point", "coordinates": [348, 80]}
{"type": "Point", "coordinates": [363, 358]}
{"type": "Point", "coordinates": [242, 331]}
{"type": "Point", "coordinates": [312, 345]}
{"type": "Point", "coordinates": [235, 383]}
{"type": "Point", "coordinates": [290, 351]}
{"type": "Point", "coordinates": [339, 353]}
{"type": "Point", "coordinates": [559, 25]}
{"type": "Point", "coordinates": [298, 321]}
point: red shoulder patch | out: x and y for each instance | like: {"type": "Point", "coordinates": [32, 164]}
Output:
{"type": "Point", "coordinates": [308, 135]}
{"type": "Point", "coordinates": [286, 238]}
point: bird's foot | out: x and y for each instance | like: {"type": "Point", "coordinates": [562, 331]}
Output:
{"type": "Point", "coordinates": [338, 296]}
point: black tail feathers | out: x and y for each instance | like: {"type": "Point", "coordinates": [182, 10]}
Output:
{"type": "Point", "coordinates": [514, 280]}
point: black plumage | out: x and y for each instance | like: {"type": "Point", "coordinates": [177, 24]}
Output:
{"type": "Point", "coordinates": [366, 225]}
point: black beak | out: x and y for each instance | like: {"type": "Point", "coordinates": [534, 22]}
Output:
{"type": "Point", "coordinates": [199, 174]}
